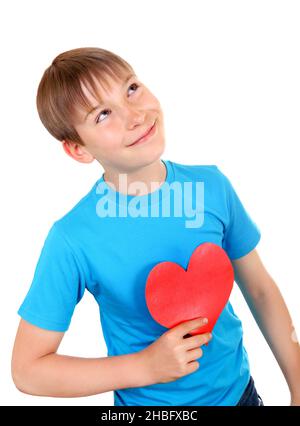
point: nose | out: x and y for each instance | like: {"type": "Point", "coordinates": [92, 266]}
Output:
{"type": "Point", "coordinates": [135, 117]}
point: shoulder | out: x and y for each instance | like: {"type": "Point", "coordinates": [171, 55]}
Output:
{"type": "Point", "coordinates": [193, 168]}
{"type": "Point", "coordinates": [197, 169]}
{"type": "Point", "coordinates": [209, 173]}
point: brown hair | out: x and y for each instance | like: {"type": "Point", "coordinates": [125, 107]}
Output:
{"type": "Point", "coordinates": [60, 93]}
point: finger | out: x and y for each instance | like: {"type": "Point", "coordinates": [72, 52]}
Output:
{"type": "Point", "coordinates": [192, 366]}
{"type": "Point", "coordinates": [187, 326]}
{"type": "Point", "coordinates": [194, 354]}
{"type": "Point", "coordinates": [198, 340]}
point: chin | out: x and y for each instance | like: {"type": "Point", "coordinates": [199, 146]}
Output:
{"type": "Point", "coordinates": [154, 154]}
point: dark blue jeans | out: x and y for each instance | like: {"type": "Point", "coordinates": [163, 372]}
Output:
{"type": "Point", "coordinates": [250, 395]}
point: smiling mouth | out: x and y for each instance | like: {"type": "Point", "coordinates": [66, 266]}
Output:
{"type": "Point", "coordinates": [145, 135]}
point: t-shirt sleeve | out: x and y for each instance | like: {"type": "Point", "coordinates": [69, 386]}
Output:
{"type": "Point", "coordinates": [241, 234]}
{"type": "Point", "coordinates": [57, 286]}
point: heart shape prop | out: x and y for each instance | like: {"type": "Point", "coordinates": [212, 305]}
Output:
{"type": "Point", "coordinates": [174, 295]}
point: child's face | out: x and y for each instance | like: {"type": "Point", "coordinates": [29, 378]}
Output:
{"type": "Point", "coordinates": [129, 110]}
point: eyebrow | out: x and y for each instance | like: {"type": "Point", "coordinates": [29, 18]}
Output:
{"type": "Point", "coordinates": [98, 106]}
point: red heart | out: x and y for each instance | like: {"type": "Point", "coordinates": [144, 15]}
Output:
{"type": "Point", "coordinates": [174, 295]}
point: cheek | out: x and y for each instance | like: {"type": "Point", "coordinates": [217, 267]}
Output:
{"type": "Point", "coordinates": [157, 105]}
{"type": "Point", "coordinates": [113, 135]}
{"type": "Point", "coordinates": [151, 100]}
{"type": "Point", "coordinates": [109, 136]}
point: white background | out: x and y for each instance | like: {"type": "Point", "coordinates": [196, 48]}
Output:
{"type": "Point", "coordinates": [227, 76]}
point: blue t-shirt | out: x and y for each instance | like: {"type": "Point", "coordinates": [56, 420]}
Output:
{"type": "Point", "coordinates": [98, 247]}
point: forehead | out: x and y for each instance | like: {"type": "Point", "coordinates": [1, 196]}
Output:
{"type": "Point", "coordinates": [103, 86]}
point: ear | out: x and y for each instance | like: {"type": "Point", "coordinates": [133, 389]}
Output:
{"type": "Point", "coordinates": [77, 152]}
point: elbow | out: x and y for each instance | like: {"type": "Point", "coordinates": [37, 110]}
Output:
{"type": "Point", "coordinates": [18, 380]}
{"type": "Point", "coordinates": [19, 374]}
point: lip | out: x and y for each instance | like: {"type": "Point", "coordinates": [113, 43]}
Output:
{"type": "Point", "coordinates": [146, 136]}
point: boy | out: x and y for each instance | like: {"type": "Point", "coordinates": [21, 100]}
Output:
{"type": "Point", "coordinates": [91, 100]}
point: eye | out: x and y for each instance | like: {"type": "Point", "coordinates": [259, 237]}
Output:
{"type": "Point", "coordinates": [134, 85]}
{"type": "Point", "coordinates": [102, 112]}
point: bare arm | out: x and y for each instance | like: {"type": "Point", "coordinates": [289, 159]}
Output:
{"type": "Point", "coordinates": [272, 316]}
{"type": "Point", "coordinates": [38, 370]}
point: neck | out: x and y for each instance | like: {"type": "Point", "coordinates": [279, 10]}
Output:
{"type": "Point", "coordinates": [140, 181]}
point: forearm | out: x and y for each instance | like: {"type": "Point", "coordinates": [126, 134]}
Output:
{"type": "Point", "coordinates": [274, 320]}
{"type": "Point", "coordinates": [65, 376]}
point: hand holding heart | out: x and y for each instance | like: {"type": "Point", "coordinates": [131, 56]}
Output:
{"type": "Point", "coordinates": [172, 356]}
